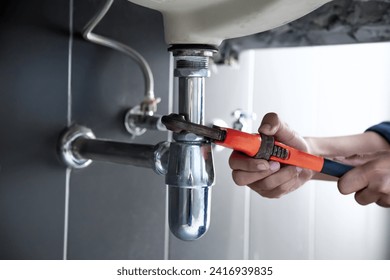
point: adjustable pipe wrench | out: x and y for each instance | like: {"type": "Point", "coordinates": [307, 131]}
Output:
{"type": "Point", "coordinates": [257, 146]}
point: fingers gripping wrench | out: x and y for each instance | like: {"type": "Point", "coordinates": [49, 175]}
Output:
{"type": "Point", "coordinates": [257, 146]}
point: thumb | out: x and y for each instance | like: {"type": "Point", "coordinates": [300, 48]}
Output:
{"type": "Point", "coordinates": [272, 125]}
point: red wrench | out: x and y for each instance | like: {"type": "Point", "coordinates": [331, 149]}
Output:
{"type": "Point", "coordinates": [257, 146]}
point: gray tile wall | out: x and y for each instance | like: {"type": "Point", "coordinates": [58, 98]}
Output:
{"type": "Point", "coordinates": [115, 212]}
{"type": "Point", "coordinates": [33, 102]}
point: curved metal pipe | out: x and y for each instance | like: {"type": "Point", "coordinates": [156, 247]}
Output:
{"type": "Point", "coordinates": [150, 102]}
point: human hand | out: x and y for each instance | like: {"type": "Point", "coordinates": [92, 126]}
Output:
{"type": "Point", "coordinates": [270, 179]}
{"type": "Point", "coordinates": [369, 180]}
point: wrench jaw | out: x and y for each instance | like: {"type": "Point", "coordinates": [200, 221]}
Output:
{"type": "Point", "coordinates": [179, 125]}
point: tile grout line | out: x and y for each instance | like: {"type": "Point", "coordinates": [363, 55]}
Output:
{"type": "Point", "coordinates": [66, 215]}
{"type": "Point", "coordinates": [70, 45]}
{"type": "Point", "coordinates": [69, 122]}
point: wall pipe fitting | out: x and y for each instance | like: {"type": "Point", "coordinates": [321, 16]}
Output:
{"type": "Point", "coordinates": [190, 166]}
{"type": "Point", "coordinates": [137, 123]}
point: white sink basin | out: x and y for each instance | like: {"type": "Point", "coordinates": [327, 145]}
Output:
{"type": "Point", "coordinates": [212, 21]}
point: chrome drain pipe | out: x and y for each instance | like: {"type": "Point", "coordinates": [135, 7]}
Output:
{"type": "Point", "coordinates": [190, 173]}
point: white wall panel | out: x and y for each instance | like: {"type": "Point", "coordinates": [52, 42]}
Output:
{"type": "Point", "coordinates": [282, 229]}
{"type": "Point", "coordinates": [321, 91]}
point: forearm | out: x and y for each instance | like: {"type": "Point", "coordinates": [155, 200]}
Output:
{"type": "Point", "coordinates": [344, 146]}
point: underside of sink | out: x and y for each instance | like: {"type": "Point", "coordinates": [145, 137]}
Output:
{"type": "Point", "coordinates": [211, 22]}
